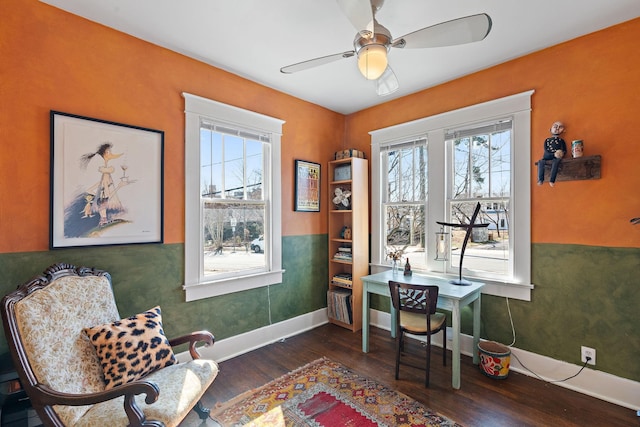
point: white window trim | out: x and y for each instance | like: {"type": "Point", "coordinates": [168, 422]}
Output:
{"type": "Point", "coordinates": [517, 106]}
{"type": "Point", "coordinates": [196, 108]}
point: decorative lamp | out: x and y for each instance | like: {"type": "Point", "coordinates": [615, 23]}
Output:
{"type": "Point", "coordinates": [468, 227]}
{"type": "Point", "coordinates": [442, 245]}
{"type": "Point", "coordinates": [372, 61]}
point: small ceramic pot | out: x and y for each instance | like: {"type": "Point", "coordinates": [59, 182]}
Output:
{"type": "Point", "coordinates": [577, 148]}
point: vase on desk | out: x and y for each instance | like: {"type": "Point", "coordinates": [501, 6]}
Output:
{"type": "Point", "coordinates": [395, 267]}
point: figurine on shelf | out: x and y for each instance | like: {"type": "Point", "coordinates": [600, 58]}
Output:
{"type": "Point", "coordinates": [554, 149]}
{"type": "Point", "coordinates": [407, 268]}
{"type": "Point", "coordinates": [347, 233]}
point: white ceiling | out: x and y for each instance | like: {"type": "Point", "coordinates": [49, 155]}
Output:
{"type": "Point", "coordinates": [255, 38]}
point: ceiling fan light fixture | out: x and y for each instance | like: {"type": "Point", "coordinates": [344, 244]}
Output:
{"type": "Point", "coordinates": [372, 61]}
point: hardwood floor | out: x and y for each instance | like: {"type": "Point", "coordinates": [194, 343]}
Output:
{"type": "Point", "coordinates": [518, 400]}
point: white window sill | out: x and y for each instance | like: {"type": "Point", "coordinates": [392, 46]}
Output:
{"type": "Point", "coordinates": [198, 291]}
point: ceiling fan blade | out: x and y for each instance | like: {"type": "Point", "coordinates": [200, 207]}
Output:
{"type": "Point", "coordinates": [458, 31]}
{"type": "Point", "coordinates": [304, 65]}
{"type": "Point", "coordinates": [387, 83]}
{"type": "Point", "coordinates": [360, 13]}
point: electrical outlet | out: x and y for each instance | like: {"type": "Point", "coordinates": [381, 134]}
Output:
{"type": "Point", "coordinates": [588, 352]}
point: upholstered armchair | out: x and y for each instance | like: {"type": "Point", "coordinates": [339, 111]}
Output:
{"type": "Point", "coordinates": [82, 365]}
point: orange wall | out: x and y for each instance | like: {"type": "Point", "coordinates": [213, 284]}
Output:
{"type": "Point", "coordinates": [52, 60]}
{"type": "Point", "coordinates": [592, 84]}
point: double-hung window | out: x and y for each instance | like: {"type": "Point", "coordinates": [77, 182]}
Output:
{"type": "Point", "coordinates": [404, 199]}
{"type": "Point", "coordinates": [479, 157]}
{"type": "Point", "coordinates": [437, 169]}
{"type": "Point", "coordinates": [232, 202]}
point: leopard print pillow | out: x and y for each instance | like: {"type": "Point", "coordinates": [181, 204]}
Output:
{"type": "Point", "coordinates": [131, 348]}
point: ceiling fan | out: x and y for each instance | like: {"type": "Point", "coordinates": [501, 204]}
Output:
{"type": "Point", "coordinates": [373, 41]}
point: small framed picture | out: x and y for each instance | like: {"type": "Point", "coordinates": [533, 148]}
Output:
{"type": "Point", "coordinates": [106, 182]}
{"type": "Point", "coordinates": [307, 191]}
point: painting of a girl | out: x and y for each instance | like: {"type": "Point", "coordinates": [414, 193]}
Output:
{"type": "Point", "coordinates": [100, 198]}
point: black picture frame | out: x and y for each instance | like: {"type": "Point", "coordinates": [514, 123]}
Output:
{"type": "Point", "coordinates": [107, 182]}
{"type": "Point", "coordinates": [307, 186]}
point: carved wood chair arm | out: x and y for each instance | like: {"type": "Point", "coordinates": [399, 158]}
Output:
{"type": "Point", "coordinates": [193, 338]}
{"type": "Point", "coordinates": [49, 396]}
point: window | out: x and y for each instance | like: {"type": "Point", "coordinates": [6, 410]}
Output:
{"type": "Point", "coordinates": [403, 205]}
{"type": "Point", "coordinates": [437, 169]}
{"type": "Point", "coordinates": [480, 160]}
{"type": "Point", "coordinates": [232, 213]}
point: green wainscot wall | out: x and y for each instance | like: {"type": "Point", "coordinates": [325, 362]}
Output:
{"type": "Point", "coordinates": [147, 275]}
{"type": "Point", "coordinates": [583, 295]}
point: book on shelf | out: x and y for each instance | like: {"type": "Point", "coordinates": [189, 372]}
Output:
{"type": "Point", "coordinates": [343, 256]}
{"type": "Point", "coordinates": [342, 279]}
{"type": "Point", "coordinates": [339, 305]}
{"type": "Point", "coordinates": [346, 249]}
{"type": "Point", "coordinates": [347, 285]}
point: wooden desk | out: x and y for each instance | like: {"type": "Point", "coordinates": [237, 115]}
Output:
{"type": "Point", "coordinates": [450, 297]}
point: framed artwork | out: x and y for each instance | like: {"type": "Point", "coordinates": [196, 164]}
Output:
{"type": "Point", "coordinates": [307, 192]}
{"type": "Point", "coordinates": [106, 182]}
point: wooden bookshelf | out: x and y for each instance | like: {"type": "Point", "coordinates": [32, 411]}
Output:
{"type": "Point", "coordinates": [348, 255]}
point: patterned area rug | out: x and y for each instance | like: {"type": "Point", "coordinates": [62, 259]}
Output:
{"type": "Point", "coordinates": [325, 393]}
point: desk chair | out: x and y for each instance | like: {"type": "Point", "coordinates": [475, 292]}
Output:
{"type": "Point", "coordinates": [416, 314]}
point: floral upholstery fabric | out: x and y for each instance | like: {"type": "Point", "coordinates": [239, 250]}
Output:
{"type": "Point", "coordinates": [188, 381]}
{"type": "Point", "coordinates": [51, 322]}
{"type": "Point", "coordinates": [131, 348]}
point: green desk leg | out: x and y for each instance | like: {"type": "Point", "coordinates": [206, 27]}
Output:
{"type": "Point", "coordinates": [476, 330]}
{"type": "Point", "coordinates": [365, 317]}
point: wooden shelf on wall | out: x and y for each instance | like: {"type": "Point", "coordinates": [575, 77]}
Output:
{"type": "Point", "coordinates": [573, 169]}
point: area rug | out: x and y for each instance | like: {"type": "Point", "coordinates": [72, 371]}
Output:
{"type": "Point", "coordinates": [325, 393]}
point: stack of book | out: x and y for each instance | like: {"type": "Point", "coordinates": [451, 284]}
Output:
{"type": "Point", "coordinates": [343, 254]}
{"type": "Point", "coordinates": [342, 279]}
{"type": "Point", "coordinates": [339, 305]}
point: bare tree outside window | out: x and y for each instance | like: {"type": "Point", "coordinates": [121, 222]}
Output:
{"type": "Point", "coordinates": [233, 202]}
{"type": "Point", "coordinates": [482, 174]}
{"type": "Point", "coordinates": [405, 202]}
